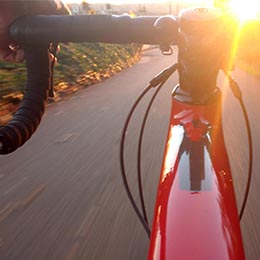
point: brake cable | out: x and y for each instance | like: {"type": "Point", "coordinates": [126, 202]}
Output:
{"type": "Point", "coordinates": [53, 50]}
{"type": "Point", "coordinates": [238, 94]}
{"type": "Point", "coordinates": [168, 72]}
{"type": "Point", "coordinates": [158, 81]}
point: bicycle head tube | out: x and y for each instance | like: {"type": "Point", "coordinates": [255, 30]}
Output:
{"type": "Point", "coordinates": [203, 44]}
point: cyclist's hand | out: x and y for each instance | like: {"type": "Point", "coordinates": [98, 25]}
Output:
{"type": "Point", "coordinates": [10, 10]}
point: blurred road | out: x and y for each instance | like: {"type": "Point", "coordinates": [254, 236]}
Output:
{"type": "Point", "coordinates": [61, 195]}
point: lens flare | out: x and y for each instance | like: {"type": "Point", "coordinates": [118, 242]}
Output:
{"type": "Point", "coordinates": [245, 9]}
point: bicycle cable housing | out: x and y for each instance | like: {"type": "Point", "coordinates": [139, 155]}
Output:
{"type": "Point", "coordinates": [157, 82]}
{"type": "Point", "coordinates": [238, 94]}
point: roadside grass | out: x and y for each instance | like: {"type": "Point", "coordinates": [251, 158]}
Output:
{"type": "Point", "coordinates": [78, 66]}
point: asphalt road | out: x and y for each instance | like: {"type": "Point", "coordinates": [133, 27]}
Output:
{"type": "Point", "coordinates": [61, 195]}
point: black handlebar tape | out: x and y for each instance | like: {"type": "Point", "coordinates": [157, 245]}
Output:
{"type": "Point", "coordinates": [89, 28]}
{"type": "Point", "coordinates": [28, 116]}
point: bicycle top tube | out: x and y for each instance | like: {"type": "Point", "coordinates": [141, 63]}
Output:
{"type": "Point", "coordinates": [195, 214]}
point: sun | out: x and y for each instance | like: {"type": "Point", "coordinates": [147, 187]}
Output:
{"type": "Point", "coordinates": [245, 9]}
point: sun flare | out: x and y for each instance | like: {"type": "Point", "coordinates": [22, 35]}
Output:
{"type": "Point", "coordinates": [245, 9]}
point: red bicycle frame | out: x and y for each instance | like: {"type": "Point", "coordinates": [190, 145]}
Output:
{"type": "Point", "coordinates": [196, 214]}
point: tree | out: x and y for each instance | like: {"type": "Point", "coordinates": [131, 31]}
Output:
{"type": "Point", "coordinates": [108, 6]}
{"type": "Point", "coordinates": [142, 9]}
{"type": "Point", "coordinates": [85, 6]}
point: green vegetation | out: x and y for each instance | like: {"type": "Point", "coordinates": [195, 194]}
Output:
{"type": "Point", "coordinates": [79, 65]}
{"type": "Point", "coordinates": [82, 64]}
{"type": "Point", "coordinates": [93, 60]}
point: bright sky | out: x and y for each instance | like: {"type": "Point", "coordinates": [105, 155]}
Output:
{"type": "Point", "coordinates": [244, 8]}
{"type": "Point", "coordinates": [117, 1]}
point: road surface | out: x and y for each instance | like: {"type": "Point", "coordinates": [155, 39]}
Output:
{"type": "Point", "coordinates": [61, 195]}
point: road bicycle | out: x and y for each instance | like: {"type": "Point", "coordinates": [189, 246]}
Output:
{"type": "Point", "coordinates": [195, 215]}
